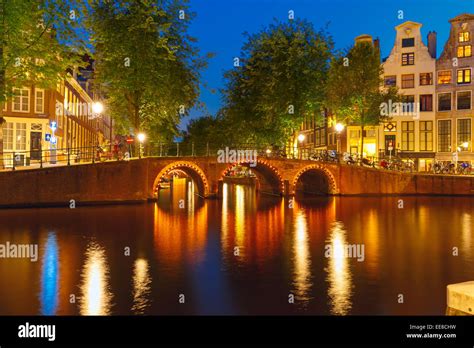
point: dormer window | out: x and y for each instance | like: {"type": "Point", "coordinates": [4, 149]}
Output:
{"type": "Point", "coordinates": [464, 36]}
{"type": "Point", "coordinates": [410, 42]}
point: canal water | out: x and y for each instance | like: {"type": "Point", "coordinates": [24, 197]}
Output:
{"type": "Point", "coordinates": [245, 254]}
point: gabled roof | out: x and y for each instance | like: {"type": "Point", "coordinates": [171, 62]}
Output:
{"type": "Point", "coordinates": [409, 23]}
{"type": "Point", "coordinates": [462, 17]}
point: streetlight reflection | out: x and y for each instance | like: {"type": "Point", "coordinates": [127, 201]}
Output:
{"type": "Point", "coordinates": [302, 258]}
{"type": "Point", "coordinates": [96, 298]}
{"type": "Point", "coordinates": [141, 286]}
{"type": "Point", "coordinates": [338, 271]}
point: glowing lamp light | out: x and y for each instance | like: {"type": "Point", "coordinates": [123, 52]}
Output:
{"type": "Point", "coordinates": [97, 107]}
{"type": "Point", "coordinates": [465, 145]}
{"type": "Point", "coordinates": [268, 151]}
{"type": "Point", "coordinates": [301, 138]}
{"type": "Point", "coordinates": [141, 137]}
{"type": "Point", "coordinates": [339, 127]}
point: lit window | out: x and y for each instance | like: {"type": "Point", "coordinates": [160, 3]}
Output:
{"type": "Point", "coordinates": [8, 136]}
{"type": "Point", "coordinates": [20, 139]}
{"type": "Point", "coordinates": [408, 58]}
{"type": "Point", "coordinates": [464, 51]}
{"type": "Point", "coordinates": [444, 135]}
{"type": "Point", "coordinates": [426, 79]}
{"type": "Point", "coordinates": [464, 76]}
{"type": "Point", "coordinates": [463, 36]}
{"type": "Point", "coordinates": [444, 77]}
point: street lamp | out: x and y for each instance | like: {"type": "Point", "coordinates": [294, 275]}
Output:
{"type": "Point", "coordinates": [301, 137]}
{"type": "Point", "coordinates": [339, 127]}
{"type": "Point", "coordinates": [141, 138]}
{"type": "Point", "coordinates": [97, 108]}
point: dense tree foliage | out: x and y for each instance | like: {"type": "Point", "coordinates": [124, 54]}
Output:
{"type": "Point", "coordinates": [280, 78]}
{"type": "Point", "coordinates": [146, 62]}
{"type": "Point", "coordinates": [355, 90]}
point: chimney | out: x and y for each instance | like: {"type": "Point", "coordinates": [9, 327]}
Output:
{"type": "Point", "coordinates": [377, 44]}
{"type": "Point", "coordinates": [432, 44]}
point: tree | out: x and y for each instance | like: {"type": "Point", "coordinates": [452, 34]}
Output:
{"type": "Point", "coordinates": [146, 62]}
{"type": "Point", "coordinates": [280, 79]}
{"type": "Point", "coordinates": [211, 130]}
{"type": "Point", "coordinates": [39, 41]}
{"type": "Point", "coordinates": [354, 93]}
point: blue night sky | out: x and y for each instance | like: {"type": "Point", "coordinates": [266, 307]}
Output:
{"type": "Point", "coordinates": [219, 25]}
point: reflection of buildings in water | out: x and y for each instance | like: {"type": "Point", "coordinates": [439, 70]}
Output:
{"type": "Point", "coordinates": [141, 286]}
{"type": "Point", "coordinates": [239, 215]}
{"type": "Point", "coordinates": [177, 235]}
{"type": "Point", "coordinates": [50, 276]}
{"type": "Point", "coordinates": [302, 277]}
{"type": "Point", "coordinates": [338, 271]}
{"type": "Point", "coordinates": [466, 236]}
{"type": "Point", "coordinates": [96, 298]}
{"type": "Point", "coordinates": [256, 230]}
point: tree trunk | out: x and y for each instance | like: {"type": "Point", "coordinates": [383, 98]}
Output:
{"type": "Point", "coordinates": [361, 141]}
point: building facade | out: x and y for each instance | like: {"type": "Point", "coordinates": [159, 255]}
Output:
{"type": "Point", "coordinates": [454, 90]}
{"type": "Point", "coordinates": [411, 68]}
{"type": "Point", "coordinates": [45, 124]}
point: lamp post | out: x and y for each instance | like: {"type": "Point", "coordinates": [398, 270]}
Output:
{"type": "Point", "coordinates": [339, 127]}
{"type": "Point", "coordinates": [301, 138]}
{"type": "Point", "coordinates": [141, 138]}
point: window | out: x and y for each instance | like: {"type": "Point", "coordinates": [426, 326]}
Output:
{"type": "Point", "coordinates": [464, 133]}
{"type": "Point", "coordinates": [39, 101]}
{"type": "Point", "coordinates": [464, 76]}
{"type": "Point", "coordinates": [426, 79]}
{"type": "Point", "coordinates": [60, 114]}
{"type": "Point", "coordinates": [408, 58]}
{"type": "Point", "coordinates": [444, 135]}
{"type": "Point", "coordinates": [463, 101]}
{"type": "Point", "coordinates": [4, 106]}
{"type": "Point", "coordinates": [426, 102]}
{"type": "Point", "coordinates": [21, 99]}
{"type": "Point", "coordinates": [354, 134]}
{"type": "Point", "coordinates": [410, 42]}
{"type": "Point", "coordinates": [20, 136]}
{"type": "Point", "coordinates": [408, 104]}
{"type": "Point", "coordinates": [8, 136]}
{"type": "Point", "coordinates": [371, 133]}
{"type": "Point", "coordinates": [390, 80]}
{"type": "Point", "coordinates": [322, 140]}
{"type": "Point", "coordinates": [408, 81]}
{"type": "Point", "coordinates": [464, 51]}
{"type": "Point", "coordinates": [444, 101]}
{"type": "Point", "coordinates": [426, 135]}
{"type": "Point", "coordinates": [408, 136]}
{"type": "Point", "coordinates": [463, 36]}
{"type": "Point", "coordinates": [444, 77]}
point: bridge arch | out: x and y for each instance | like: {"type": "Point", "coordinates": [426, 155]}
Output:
{"type": "Point", "coordinates": [270, 179]}
{"type": "Point", "coordinates": [194, 171]}
{"type": "Point", "coordinates": [314, 178]}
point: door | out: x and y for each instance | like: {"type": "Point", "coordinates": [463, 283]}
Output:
{"type": "Point", "coordinates": [389, 144]}
{"type": "Point", "coordinates": [35, 145]}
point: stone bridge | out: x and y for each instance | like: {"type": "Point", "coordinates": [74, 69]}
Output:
{"type": "Point", "coordinates": [136, 180]}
